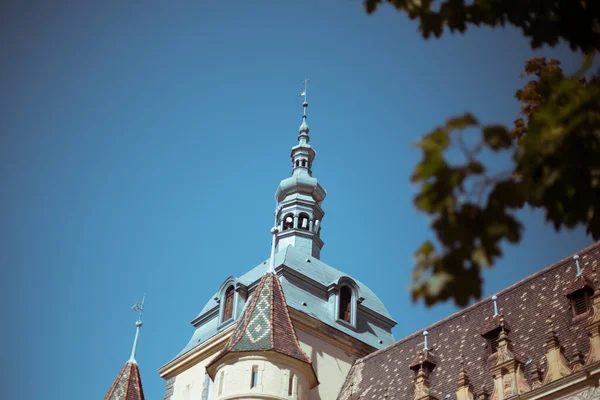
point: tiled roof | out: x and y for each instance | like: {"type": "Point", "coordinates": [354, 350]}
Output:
{"type": "Point", "coordinates": [525, 306]}
{"type": "Point", "coordinates": [317, 270]}
{"type": "Point", "coordinates": [265, 325]}
{"type": "Point", "coordinates": [127, 385]}
{"type": "Point", "coordinates": [291, 261]}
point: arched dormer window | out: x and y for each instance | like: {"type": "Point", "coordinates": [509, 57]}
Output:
{"type": "Point", "coordinates": [288, 222]}
{"type": "Point", "coordinates": [303, 221]}
{"type": "Point", "coordinates": [345, 311]}
{"type": "Point", "coordinates": [347, 302]}
{"type": "Point", "coordinates": [228, 303]}
{"type": "Point", "coordinates": [231, 299]}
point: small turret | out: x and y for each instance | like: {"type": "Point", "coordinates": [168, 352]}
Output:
{"type": "Point", "coordinates": [263, 350]}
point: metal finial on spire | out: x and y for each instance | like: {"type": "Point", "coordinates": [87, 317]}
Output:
{"type": "Point", "coordinates": [274, 232]}
{"type": "Point", "coordinates": [494, 298]}
{"type": "Point", "coordinates": [303, 137]}
{"type": "Point", "coordinates": [425, 348]}
{"type": "Point", "coordinates": [576, 258]}
{"type": "Point", "coordinates": [139, 307]}
{"type": "Point", "coordinates": [305, 82]}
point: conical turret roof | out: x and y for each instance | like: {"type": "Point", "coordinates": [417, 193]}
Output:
{"type": "Point", "coordinates": [265, 325]}
{"type": "Point", "coordinates": [127, 385]}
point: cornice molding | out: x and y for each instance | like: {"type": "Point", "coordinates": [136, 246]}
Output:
{"type": "Point", "coordinates": [300, 320]}
{"type": "Point", "coordinates": [588, 376]}
{"type": "Point", "coordinates": [195, 355]}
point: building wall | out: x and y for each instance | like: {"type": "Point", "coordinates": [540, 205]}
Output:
{"type": "Point", "coordinates": [273, 372]}
{"type": "Point", "coordinates": [330, 361]}
{"type": "Point", "coordinates": [192, 383]}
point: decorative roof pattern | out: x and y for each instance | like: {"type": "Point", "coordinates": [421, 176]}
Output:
{"type": "Point", "coordinates": [127, 385]}
{"type": "Point", "coordinates": [524, 305]}
{"type": "Point", "coordinates": [265, 325]}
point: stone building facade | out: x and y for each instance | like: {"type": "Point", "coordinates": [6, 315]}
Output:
{"type": "Point", "coordinates": [295, 328]}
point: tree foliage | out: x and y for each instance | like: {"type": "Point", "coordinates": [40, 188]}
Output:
{"type": "Point", "coordinates": [554, 147]}
{"type": "Point", "coordinates": [556, 152]}
{"type": "Point", "coordinates": [542, 21]}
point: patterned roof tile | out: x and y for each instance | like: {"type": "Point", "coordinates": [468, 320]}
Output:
{"type": "Point", "coordinates": [265, 325]}
{"type": "Point", "coordinates": [526, 305]}
{"type": "Point", "coordinates": [127, 385]}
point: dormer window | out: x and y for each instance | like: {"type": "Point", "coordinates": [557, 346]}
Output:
{"type": "Point", "coordinates": [346, 303]}
{"type": "Point", "coordinates": [228, 305]}
{"type": "Point", "coordinates": [580, 301]}
{"type": "Point", "coordinates": [579, 292]}
{"type": "Point", "coordinates": [491, 332]}
{"type": "Point", "coordinates": [230, 298]}
{"type": "Point", "coordinates": [345, 312]}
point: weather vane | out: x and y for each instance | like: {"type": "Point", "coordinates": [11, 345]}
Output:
{"type": "Point", "coordinates": [139, 307]}
{"type": "Point", "coordinates": [305, 82]}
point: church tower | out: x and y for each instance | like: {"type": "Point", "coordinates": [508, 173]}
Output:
{"type": "Point", "coordinates": [299, 214]}
{"type": "Point", "coordinates": [292, 326]}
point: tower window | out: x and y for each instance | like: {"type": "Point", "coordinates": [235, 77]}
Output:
{"type": "Point", "coordinates": [303, 221]}
{"type": "Point", "coordinates": [288, 222]}
{"type": "Point", "coordinates": [580, 302]}
{"type": "Point", "coordinates": [254, 377]}
{"type": "Point", "coordinates": [304, 163]}
{"type": "Point", "coordinates": [297, 163]}
{"type": "Point", "coordinates": [345, 304]}
{"type": "Point", "coordinates": [228, 307]}
{"type": "Point", "coordinates": [291, 384]}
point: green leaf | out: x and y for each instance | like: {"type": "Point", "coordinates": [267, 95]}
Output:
{"type": "Point", "coordinates": [462, 122]}
{"type": "Point", "coordinates": [497, 137]}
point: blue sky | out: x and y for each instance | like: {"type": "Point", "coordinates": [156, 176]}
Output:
{"type": "Point", "coordinates": [142, 142]}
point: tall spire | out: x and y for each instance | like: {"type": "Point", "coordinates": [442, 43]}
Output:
{"type": "Point", "coordinates": [300, 196]}
{"type": "Point", "coordinates": [139, 307]}
{"type": "Point", "coordinates": [128, 384]}
{"type": "Point", "coordinates": [303, 137]}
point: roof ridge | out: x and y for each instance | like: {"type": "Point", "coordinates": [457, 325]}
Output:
{"type": "Point", "coordinates": [528, 278]}
{"type": "Point", "coordinates": [128, 382]}
{"type": "Point", "coordinates": [113, 387]}
{"type": "Point", "coordinates": [272, 338]}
